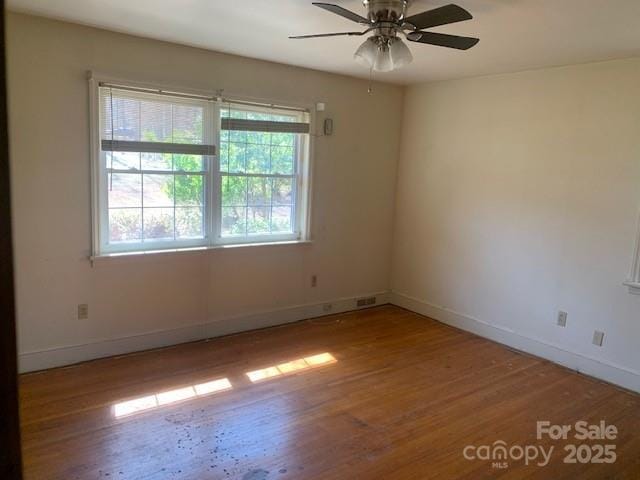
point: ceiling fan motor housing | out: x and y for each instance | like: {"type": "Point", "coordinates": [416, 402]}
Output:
{"type": "Point", "coordinates": [387, 15]}
{"type": "Point", "coordinates": [393, 11]}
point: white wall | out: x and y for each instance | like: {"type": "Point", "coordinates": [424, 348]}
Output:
{"type": "Point", "coordinates": [518, 196]}
{"type": "Point", "coordinates": [353, 197]}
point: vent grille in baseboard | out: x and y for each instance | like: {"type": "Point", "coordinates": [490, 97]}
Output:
{"type": "Point", "coordinates": [365, 302]}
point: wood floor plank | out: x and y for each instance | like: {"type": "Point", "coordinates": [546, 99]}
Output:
{"type": "Point", "coordinates": [403, 398]}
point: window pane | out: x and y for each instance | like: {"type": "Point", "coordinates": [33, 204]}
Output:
{"type": "Point", "coordinates": [189, 190]}
{"type": "Point", "coordinates": [189, 222]}
{"type": "Point", "coordinates": [283, 191]}
{"type": "Point", "coordinates": [125, 225]}
{"type": "Point", "coordinates": [234, 191]}
{"type": "Point", "coordinates": [123, 160]}
{"type": "Point", "coordinates": [234, 220]}
{"type": "Point", "coordinates": [126, 118]}
{"type": "Point", "coordinates": [187, 124]}
{"type": "Point", "coordinates": [281, 220]}
{"type": "Point", "coordinates": [239, 136]}
{"type": "Point", "coordinates": [125, 190]}
{"type": "Point", "coordinates": [156, 161]}
{"type": "Point", "coordinates": [155, 121]}
{"type": "Point", "coordinates": [158, 190]}
{"type": "Point", "coordinates": [282, 160]}
{"type": "Point", "coordinates": [258, 220]}
{"type": "Point", "coordinates": [106, 114]}
{"type": "Point", "coordinates": [236, 157]}
{"type": "Point", "coordinates": [158, 224]}
{"type": "Point", "coordinates": [260, 138]}
{"type": "Point", "coordinates": [258, 158]}
{"type": "Point", "coordinates": [224, 156]}
{"type": "Point", "coordinates": [259, 191]}
{"type": "Point", "coordinates": [283, 118]}
{"type": "Point", "coordinates": [258, 116]}
{"type": "Point", "coordinates": [189, 163]}
{"type": "Point", "coordinates": [282, 139]}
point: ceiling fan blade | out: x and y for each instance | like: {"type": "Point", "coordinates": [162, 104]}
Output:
{"type": "Point", "coordinates": [443, 40]}
{"type": "Point", "coordinates": [320, 35]}
{"type": "Point", "coordinates": [439, 16]}
{"type": "Point", "coordinates": [343, 12]}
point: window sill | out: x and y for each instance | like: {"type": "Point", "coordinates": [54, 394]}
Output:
{"type": "Point", "coordinates": [634, 287]}
{"type": "Point", "coordinates": [189, 250]}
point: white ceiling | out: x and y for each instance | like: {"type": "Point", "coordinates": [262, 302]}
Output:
{"type": "Point", "coordinates": [514, 34]}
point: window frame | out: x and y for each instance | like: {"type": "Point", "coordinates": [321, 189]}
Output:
{"type": "Point", "coordinates": [300, 145]}
{"type": "Point", "coordinates": [633, 281]}
{"type": "Point", "coordinates": [103, 179]}
{"type": "Point", "coordinates": [212, 177]}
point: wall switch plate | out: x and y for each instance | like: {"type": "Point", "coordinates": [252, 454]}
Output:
{"type": "Point", "coordinates": [320, 106]}
{"type": "Point", "coordinates": [562, 319]}
{"type": "Point", "coordinates": [598, 338]}
{"type": "Point", "coordinates": [314, 280]}
{"type": "Point", "coordinates": [83, 311]}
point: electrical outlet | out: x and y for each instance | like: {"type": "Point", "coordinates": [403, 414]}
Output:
{"type": "Point", "coordinates": [562, 319]}
{"type": "Point", "coordinates": [83, 311]}
{"type": "Point", "coordinates": [598, 338]}
{"type": "Point", "coordinates": [314, 280]}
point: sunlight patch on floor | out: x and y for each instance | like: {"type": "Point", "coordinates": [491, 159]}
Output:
{"type": "Point", "coordinates": [148, 402]}
{"type": "Point", "coordinates": [291, 366]}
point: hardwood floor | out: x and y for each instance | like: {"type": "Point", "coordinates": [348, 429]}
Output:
{"type": "Point", "coordinates": [403, 398]}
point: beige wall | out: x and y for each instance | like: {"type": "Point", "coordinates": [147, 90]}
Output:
{"type": "Point", "coordinates": [518, 196]}
{"type": "Point", "coordinates": [353, 192]}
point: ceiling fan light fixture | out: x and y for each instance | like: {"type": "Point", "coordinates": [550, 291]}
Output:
{"type": "Point", "coordinates": [383, 55]}
{"type": "Point", "coordinates": [399, 53]}
{"type": "Point", "coordinates": [367, 53]}
{"type": "Point", "coordinates": [384, 61]}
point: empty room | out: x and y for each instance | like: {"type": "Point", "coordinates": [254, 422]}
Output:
{"type": "Point", "coordinates": [359, 240]}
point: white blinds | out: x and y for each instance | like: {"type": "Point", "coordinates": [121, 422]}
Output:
{"type": "Point", "coordinates": [138, 121]}
{"type": "Point", "coordinates": [247, 125]}
{"type": "Point", "coordinates": [240, 117]}
{"type": "Point", "coordinates": [157, 147]}
{"type": "Point", "coordinates": [151, 123]}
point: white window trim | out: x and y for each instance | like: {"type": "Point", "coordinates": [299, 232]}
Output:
{"type": "Point", "coordinates": [634, 276]}
{"type": "Point", "coordinates": [170, 252]}
{"type": "Point", "coordinates": [213, 238]}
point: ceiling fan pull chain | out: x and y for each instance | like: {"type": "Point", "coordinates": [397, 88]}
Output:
{"type": "Point", "coordinates": [370, 89]}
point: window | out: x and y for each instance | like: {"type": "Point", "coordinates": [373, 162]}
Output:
{"type": "Point", "coordinates": [259, 168]}
{"type": "Point", "coordinates": [634, 276]}
{"type": "Point", "coordinates": [178, 170]}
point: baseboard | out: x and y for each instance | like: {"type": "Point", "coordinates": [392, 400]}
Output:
{"type": "Point", "coordinates": [69, 355]}
{"type": "Point", "coordinates": [608, 372]}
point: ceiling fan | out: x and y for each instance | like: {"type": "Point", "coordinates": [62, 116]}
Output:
{"type": "Point", "coordinates": [387, 20]}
